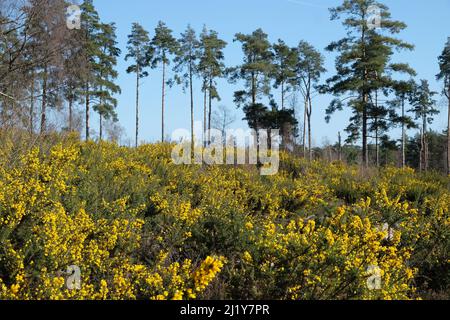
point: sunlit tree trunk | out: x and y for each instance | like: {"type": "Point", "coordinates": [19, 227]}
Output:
{"type": "Point", "coordinates": [205, 97]}
{"type": "Point", "coordinates": [163, 99]}
{"type": "Point", "coordinates": [101, 128]}
{"type": "Point", "coordinates": [310, 151]}
{"type": "Point", "coordinates": [192, 109]}
{"type": "Point", "coordinates": [137, 104]}
{"type": "Point", "coordinates": [403, 135]}
{"type": "Point", "coordinates": [304, 126]}
{"type": "Point", "coordinates": [209, 111]}
{"type": "Point", "coordinates": [87, 111]}
{"type": "Point", "coordinates": [365, 150]}
{"type": "Point", "coordinates": [340, 146]}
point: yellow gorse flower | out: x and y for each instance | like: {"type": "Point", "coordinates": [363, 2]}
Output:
{"type": "Point", "coordinates": [136, 226]}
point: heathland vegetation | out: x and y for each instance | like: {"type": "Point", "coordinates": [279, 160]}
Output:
{"type": "Point", "coordinates": [338, 222]}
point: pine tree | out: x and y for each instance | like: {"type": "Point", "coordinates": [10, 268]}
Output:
{"type": "Point", "coordinates": [424, 109]}
{"type": "Point", "coordinates": [140, 51]}
{"type": "Point", "coordinates": [73, 75]}
{"type": "Point", "coordinates": [256, 72]}
{"type": "Point", "coordinates": [444, 75]}
{"type": "Point", "coordinates": [309, 69]}
{"type": "Point", "coordinates": [381, 115]}
{"type": "Point", "coordinates": [186, 67]}
{"type": "Point", "coordinates": [106, 75]}
{"type": "Point", "coordinates": [285, 60]}
{"type": "Point", "coordinates": [164, 46]}
{"type": "Point", "coordinates": [90, 30]}
{"type": "Point", "coordinates": [211, 67]}
{"type": "Point", "coordinates": [284, 67]}
{"type": "Point", "coordinates": [256, 69]}
{"type": "Point", "coordinates": [365, 55]}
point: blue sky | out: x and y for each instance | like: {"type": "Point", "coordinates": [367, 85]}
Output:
{"type": "Point", "coordinates": [291, 20]}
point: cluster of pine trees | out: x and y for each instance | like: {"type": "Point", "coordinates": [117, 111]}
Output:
{"type": "Point", "coordinates": [44, 64]}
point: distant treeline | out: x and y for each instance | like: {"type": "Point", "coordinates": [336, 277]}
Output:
{"type": "Point", "coordinates": [48, 63]}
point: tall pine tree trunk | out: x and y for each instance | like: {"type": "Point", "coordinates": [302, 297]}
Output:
{"type": "Point", "coordinates": [365, 99]}
{"type": "Point", "coordinates": [377, 147]}
{"type": "Point", "coordinates": [427, 152]}
{"type": "Point", "coordinates": [210, 111]}
{"type": "Point", "coordinates": [254, 93]}
{"type": "Point", "coordinates": [100, 115]}
{"type": "Point", "coordinates": [365, 150]}
{"type": "Point", "coordinates": [377, 142]}
{"type": "Point", "coordinates": [191, 87]}
{"type": "Point", "coordinates": [284, 126]}
{"type": "Point", "coordinates": [88, 101]}
{"type": "Point", "coordinates": [305, 126]}
{"type": "Point", "coordinates": [163, 99]}
{"type": "Point", "coordinates": [254, 96]}
{"type": "Point", "coordinates": [339, 146]}
{"type": "Point", "coordinates": [137, 104]}
{"type": "Point", "coordinates": [101, 128]}
{"type": "Point", "coordinates": [425, 144]}
{"type": "Point", "coordinates": [205, 97]}
{"type": "Point", "coordinates": [421, 151]}
{"type": "Point", "coordinates": [310, 151]}
{"type": "Point", "coordinates": [403, 135]}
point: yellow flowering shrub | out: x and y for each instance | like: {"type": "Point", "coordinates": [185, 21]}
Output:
{"type": "Point", "coordinates": [40, 238]}
{"type": "Point", "coordinates": [99, 221]}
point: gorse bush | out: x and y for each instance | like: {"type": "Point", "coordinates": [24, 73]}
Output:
{"type": "Point", "coordinates": [140, 227]}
